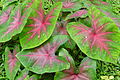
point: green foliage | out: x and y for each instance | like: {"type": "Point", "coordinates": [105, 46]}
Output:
{"type": "Point", "coordinates": [16, 21]}
{"type": "Point", "coordinates": [39, 36]}
{"type": "Point", "coordinates": [31, 59]}
{"type": "Point", "coordinates": [79, 32]}
{"type": "Point", "coordinates": [59, 40]}
{"type": "Point", "coordinates": [12, 65]}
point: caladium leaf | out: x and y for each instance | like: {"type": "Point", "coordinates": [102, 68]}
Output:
{"type": "Point", "coordinates": [70, 5]}
{"type": "Point", "coordinates": [86, 70]}
{"type": "Point", "coordinates": [107, 9]}
{"type": "Point", "coordinates": [12, 65]}
{"type": "Point", "coordinates": [112, 15]}
{"type": "Point", "coordinates": [77, 14]}
{"type": "Point", "coordinates": [43, 59]}
{"type": "Point", "coordinates": [15, 23]}
{"type": "Point", "coordinates": [97, 41]}
{"type": "Point", "coordinates": [63, 52]}
{"type": "Point", "coordinates": [41, 27]}
{"type": "Point", "coordinates": [5, 15]}
{"type": "Point", "coordinates": [23, 75]}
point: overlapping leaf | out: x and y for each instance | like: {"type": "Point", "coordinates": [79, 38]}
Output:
{"type": "Point", "coordinates": [12, 24]}
{"type": "Point", "coordinates": [41, 26]}
{"type": "Point", "coordinates": [23, 75]}
{"type": "Point", "coordinates": [43, 59]}
{"type": "Point", "coordinates": [77, 14]}
{"type": "Point", "coordinates": [70, 5]}
{"type": "Point", "coordinates": [100, 41]}
{"type": "Point", "coordinates": [12, 65]}
{"type": "Point", "coordinates": [107, 9]}
{"type": "Point", "coordinates": [86, 70]}
{"type": "Point", "coordinates": [4, 15]}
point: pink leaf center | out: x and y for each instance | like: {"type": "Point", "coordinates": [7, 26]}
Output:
{"type": "Point", "coordinates": [5, 16]}
{"type": "Point", "coordinates": [45, 55]}
{"type": "Point", "coordinates": [96, 36]}
{"type": "Point", "coordinates": [68, 4]}
{"type": "Point", "coordinates": [15, 24]}
{"type": "Point", "coordinates": [41, 22]}
{"type": "Point", "coordinates": [12, 60]}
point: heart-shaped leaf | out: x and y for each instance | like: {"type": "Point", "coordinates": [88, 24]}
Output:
{"type": "Point", "coordinates": [43, 59]}
{"type": "Point", "coordinates": [86, 70]}
{"type": "Point", "coordinates": [12, 24]}
{"type": "Point", "coordinates": [98, 41]}
{"type": "Point", "coordinates": [12, 65]}
{"type": "Point", "coordinates": [41, 25]}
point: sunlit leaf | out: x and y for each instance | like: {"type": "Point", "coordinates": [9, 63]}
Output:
{"type": "Point", "coordinates": [86, 70]}
{"type": "Point", "coordinates": [5, 15]}
{"type": "Point", "coordinates": [43, 59]}
{"type": "Point", "coordinates": [70, 5]}
{"type": "Point", "coordinates": [41, 25]}
{"type": "Point", "coordinates": [77, 14]}
{"type": "Point", "coordinates": [107, 9]}
{"type": "Point", "coordinates": [12, 64]}
{"type": "Point", "coordinates": [97, 40]}
{"type": "Point", "coordinates": [15, 23]}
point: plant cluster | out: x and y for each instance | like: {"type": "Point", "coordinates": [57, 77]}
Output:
{"type": "Point", "coordinates": [59, 40]}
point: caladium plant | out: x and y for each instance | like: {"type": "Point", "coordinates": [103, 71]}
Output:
{"type": "Point", "coordinates": [12, 64]}
{"type": "Point", "coordinates": [43, 59]}
{"type": "Point", "coordinates": [95, 40]}
{"type": "Point", "coordinates": [86, 70]}
{"type": "Point", "coordinates": [13, 23]}
{"type": "Point", "coordinates": [59, 39]}
{"type": "Point", "coordinates": [41, 27]}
